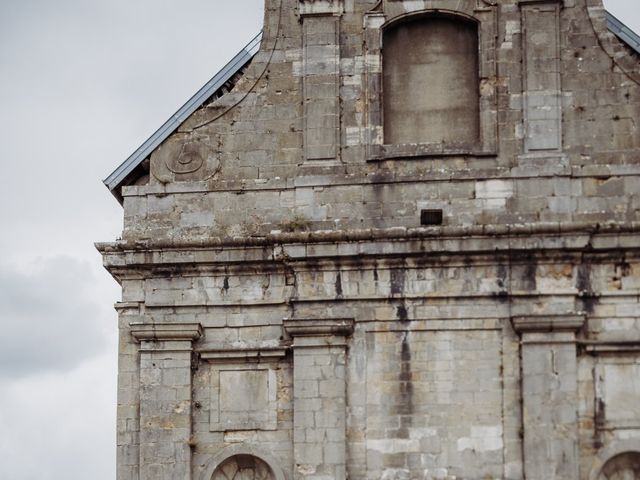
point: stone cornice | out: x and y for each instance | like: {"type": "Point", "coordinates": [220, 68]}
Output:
{"type": "Point", "coordinates": [372, 234]}
{"type": "Point", "coordinates": [548, 323]}
{"type": "Point", "coordinates": [166, 331]}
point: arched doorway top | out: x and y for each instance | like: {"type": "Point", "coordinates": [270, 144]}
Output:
{"type": "Point", "coordinates": [238, 451]}
{"type": "Point", "coordinates": [618, 454]}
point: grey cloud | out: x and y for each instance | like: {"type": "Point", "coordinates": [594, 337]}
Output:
{"type": "Point", "coordinates": [47, 318]}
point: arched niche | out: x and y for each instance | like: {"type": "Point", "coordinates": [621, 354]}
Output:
{"type": "Point", "coordinates": [243, 467]}
{"type": "Point", "coordinates": [624, 466]}
{"type": "Point", "coordinates": [618, 461]}
{"type": "Point", "coordinates": [431, 80]}
{"type": "Point", "coordinates": [424, 135]}
{"type": "Point", "coordinates": [242, 462]}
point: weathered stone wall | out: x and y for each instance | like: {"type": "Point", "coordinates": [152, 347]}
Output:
{"type": "Point", "coordinates": [264, 179]}
{"type": "Point", "coordinates": [285, 314]}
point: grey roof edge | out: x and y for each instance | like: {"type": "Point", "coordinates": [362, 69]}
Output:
{"type": "Point", "coordinates": [115, 179]}
{"type": "Point", "coordinates": [623, 32]}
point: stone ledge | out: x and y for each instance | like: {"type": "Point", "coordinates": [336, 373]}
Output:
{"type": "Point", "coordinates": [598, 347]}
{"type": "Point", "coordinates": [394, 233]}
{"type": "Point", "coordinates": [548, 323]}
{"type": "Point", "coordinates": [319, 327]}
{"type": "Point", "coordinates": [144, 332]}
{"type": "Point", "coordinates": [253, 355]}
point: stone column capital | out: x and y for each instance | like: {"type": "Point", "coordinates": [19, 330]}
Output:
{"type": "Point", "coordinates": [319, 332]}
{"type": "Point", "coordinates": [169, 332]}
{"type": "Point", "coordinates": [310, 327]}
{"type": "Point", "coordinates": [568, 323]}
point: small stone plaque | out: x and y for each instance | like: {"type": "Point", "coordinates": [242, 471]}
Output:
{"type": "Point", "coordinates": [243, 399]}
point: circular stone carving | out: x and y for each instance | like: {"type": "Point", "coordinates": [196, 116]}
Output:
{"type": "Point", "coordinates": [188, 160]}
{"type": "Point", "coordinates": [243, 467]}
{"type": "Point", "coordinates": [185, 157]}
{"type": "Point", "coordinates": [625, 466]}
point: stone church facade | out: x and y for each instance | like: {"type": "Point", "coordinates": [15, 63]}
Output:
{"type": "Point", "coordinates": [399, 241]}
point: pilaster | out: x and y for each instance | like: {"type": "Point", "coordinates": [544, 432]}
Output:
{"type": "Point", "coordinates": [165, 398]}
{"type": "Point", "coordinates": [550, 395]}
{"type": "Point", "coordinates": [542, 90]}
{"type": "Point", "coordinates": [319, 389]}
{"type": "Point", "coordinates": [321, 77]}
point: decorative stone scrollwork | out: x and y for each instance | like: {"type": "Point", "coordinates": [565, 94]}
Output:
{"type": "Point", "coordinates": [243, 467]}
{"type": "Point", "coordinates": [184, 157]}
{"type": "Point", "coordinates": [625, 466]}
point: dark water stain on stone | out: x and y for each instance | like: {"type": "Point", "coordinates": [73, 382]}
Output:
{"type": "Point", "coordinates": [502, 282]}
{"type": "Point", "coordinates": [529, 275]}
{"type": "Point", "coordinates": [401, 313]}
{"type": "Point", "coordinates": [338, 285]}
{"type": "Point", "coordinates": [397, 281]}
{"type": "Point", "coordinates": [502, 276]}
{"type": "Point", "coordinates": [405, 380]}
{"type": "Point", "coordinates": [583, 285]}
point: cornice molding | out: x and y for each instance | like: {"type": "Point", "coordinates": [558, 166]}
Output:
{"type": "Point", "coordinates": [496, 231]}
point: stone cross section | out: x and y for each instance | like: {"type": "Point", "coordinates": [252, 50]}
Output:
{"type": "Point", "coordinates": [550, 395]}
{"type": "Point", "coordinates": [542, 85]}
{"type": "Point", "coordinates": [319, 391]}
{"type": "Point", "coordinates": [165, 398]}
{"type": "Point", "coordinates": [321, 70]}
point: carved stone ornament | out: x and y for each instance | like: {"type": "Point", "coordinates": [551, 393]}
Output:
{"type": "Point", "coordinates": [185, 157]}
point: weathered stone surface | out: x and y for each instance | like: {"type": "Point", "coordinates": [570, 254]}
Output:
{"type": "Point", "coordinates": [285, 315]}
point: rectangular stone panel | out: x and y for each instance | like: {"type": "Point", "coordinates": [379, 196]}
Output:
{"type": "Point", "coordinates": [542, 101]}
{"type": "Point", "coordinates": [434, 404]}
{"type": "Point", "coordinates": [321, 66]}
{"type": "Point", "coordinates": [243, 399]}
{"type": "Point", "coordinates": [618, 393]}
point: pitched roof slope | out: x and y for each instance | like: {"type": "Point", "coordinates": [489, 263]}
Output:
{"type": "Point", "coordinates": [624, 33]}
{"type": "Point", "coordinates": [214, 88]}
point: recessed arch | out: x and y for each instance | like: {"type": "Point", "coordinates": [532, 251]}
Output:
{"type": "Point", "coordinates": [240, 451]}
{"type": "Point", "coordinates": [431, 81]}
{"type": "Point", "coordinates": [433, 12]}
{"type": "Point", "coordinates": [618, 456]}
{"type": "Point", "coordinates": [623, 466]}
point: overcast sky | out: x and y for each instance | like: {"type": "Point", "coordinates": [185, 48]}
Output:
{"type": "Point", "coordinates": [82, 84]}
